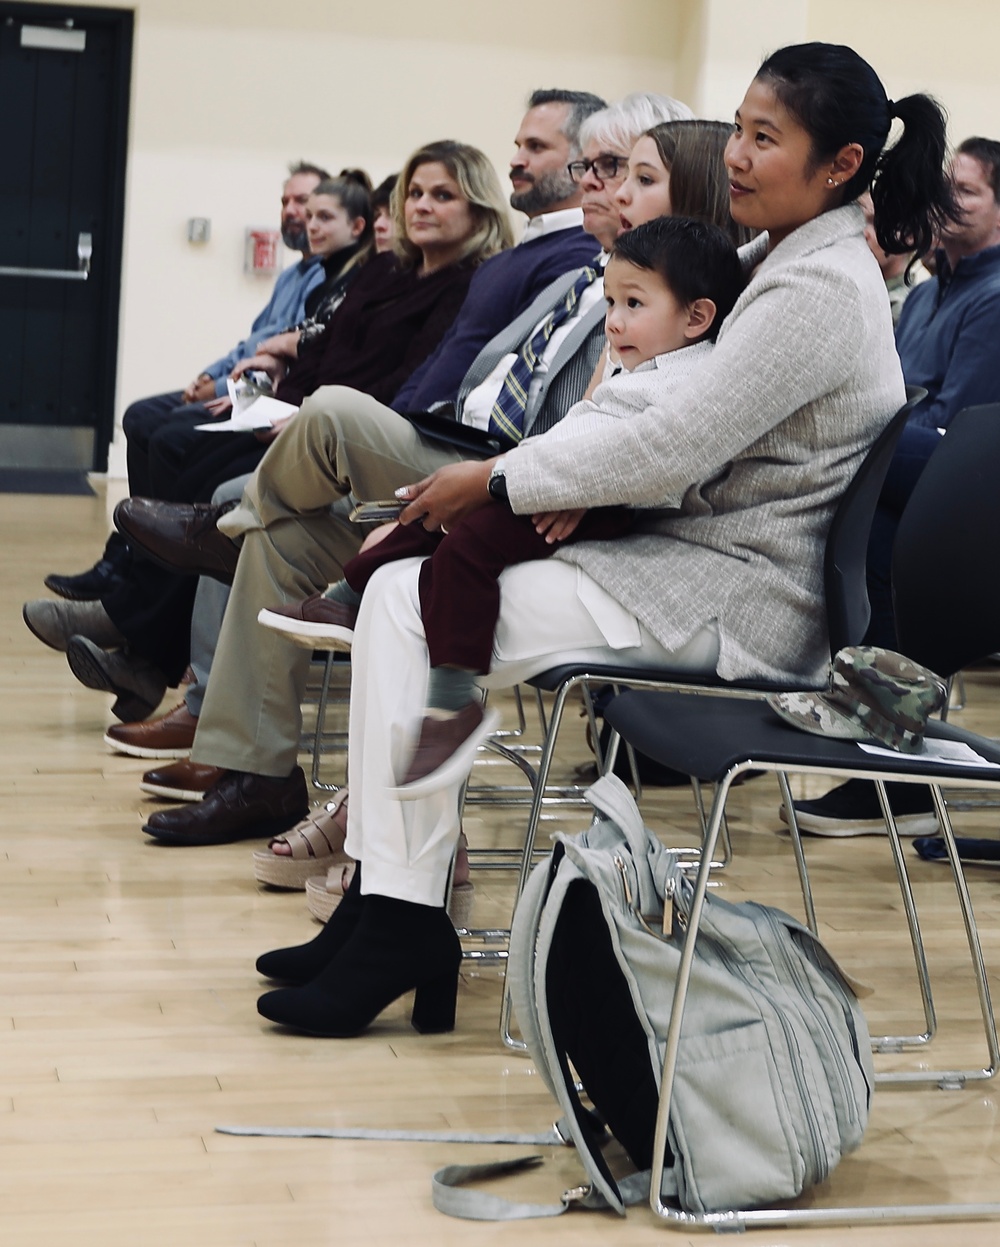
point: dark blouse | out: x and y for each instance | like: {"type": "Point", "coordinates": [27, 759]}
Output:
{"type": "Point", "coordinates": [320, 303]}
{"type": "Point", "coordinates": [387, 325]}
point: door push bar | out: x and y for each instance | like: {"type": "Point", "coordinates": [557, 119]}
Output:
{"type": "Point", "coordinates": [84, 251]}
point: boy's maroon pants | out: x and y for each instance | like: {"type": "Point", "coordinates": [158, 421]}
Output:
{"type": "Point", "coordinates": [459, 593]}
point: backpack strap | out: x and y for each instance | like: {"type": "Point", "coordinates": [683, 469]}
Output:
{"type": "Point", "coordinates": [451, 1199]}
{"type": "Point", "coordinates": [556, 1136]}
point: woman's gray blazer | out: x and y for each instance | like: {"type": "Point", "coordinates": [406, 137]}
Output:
{"type": "Point", "coordinates": [754, 450]}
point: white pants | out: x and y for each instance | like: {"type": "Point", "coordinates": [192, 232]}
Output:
{"type": "Point", "coordinates": [550, 613]}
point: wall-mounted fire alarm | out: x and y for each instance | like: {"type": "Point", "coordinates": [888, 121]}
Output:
{"type": "Point", "coordinates": [262, 255]}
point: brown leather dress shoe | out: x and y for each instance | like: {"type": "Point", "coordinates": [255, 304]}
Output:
{"type": "Point", "coordinates": [181, 781]}
{"type": "Point", "coordinates": [446, 750]}
{"type": "Point", "coordinates": [169, 736]}
{"type": "Point", "coordinates": [240, 806]}
{"type": "Point", "coordinates": [180, 536]}
{"type": "Point", "coordinates": [314, 623]}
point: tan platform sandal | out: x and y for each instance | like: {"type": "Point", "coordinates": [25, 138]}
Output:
{"type": "Point", "coordinates": [324, 892]}
{"type": "Point", "coordinates": [316, 844]}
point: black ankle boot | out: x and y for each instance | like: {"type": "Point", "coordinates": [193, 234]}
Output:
{"type": "Point", "coordinates": [302, 963]}
{"type": "Point", "coordinates": [396, 947]}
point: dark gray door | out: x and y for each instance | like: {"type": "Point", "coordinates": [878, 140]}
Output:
{"type": "Point", "coordinates": [64, 84]}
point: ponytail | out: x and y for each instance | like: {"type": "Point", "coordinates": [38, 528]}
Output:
{"type": "Point", "coordinates": [837, 97]}
{"type": "Point", "coordinates": [910, 189]}
{"type": "Point", "coordinates": [357, 175]}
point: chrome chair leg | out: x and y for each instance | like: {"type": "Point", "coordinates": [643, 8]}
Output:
{"type": "Point", "coordinates": [320, 728]}
{"type": "Point", "coordinates": [896, 1043]}
{"type": "Point", "coordinates": [743, 1219]}
{"type": "Point", "coordinates": [800, 857]}
{"type": "Point", "coordinates": [975, 947]}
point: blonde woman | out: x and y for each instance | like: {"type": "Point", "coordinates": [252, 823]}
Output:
{"type": "Point", "coordinates": [450, 216]}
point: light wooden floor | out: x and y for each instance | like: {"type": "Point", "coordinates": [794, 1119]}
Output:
{"type": "Point", "coordinates": [128, 1028]}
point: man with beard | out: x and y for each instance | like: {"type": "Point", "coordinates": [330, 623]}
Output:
{"type": "Point", "coordinates": [553, 243]}
{"type": "Point", "coordinates": [285, 307]}
{"type": "Point", "coordinates": [148, 613]}
{"type": "Point", "coordinates": [292, 518]}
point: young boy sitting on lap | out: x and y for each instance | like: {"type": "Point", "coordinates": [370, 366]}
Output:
{"type": "Point", "coordinates": [669, 284]}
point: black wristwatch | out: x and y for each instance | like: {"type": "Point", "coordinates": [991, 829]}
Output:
{"type": "Point", "coordinates": [497, 483]}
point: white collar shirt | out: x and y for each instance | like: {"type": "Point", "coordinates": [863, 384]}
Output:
{"type": "Point", "coordinates": [551, 222]}
{"type": "Point", "coordinates": [479, 402]}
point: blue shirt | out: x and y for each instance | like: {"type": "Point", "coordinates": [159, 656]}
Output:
{"type": "Point", "coordinates": [948, 337]}
{"type": "Point", "coordinates": [285, 308]}
{"type": "Point", "coordinates": [501, 289]}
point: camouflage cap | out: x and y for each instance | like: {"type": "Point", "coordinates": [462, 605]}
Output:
{"type": "Point", "coordinates": [874, 695]}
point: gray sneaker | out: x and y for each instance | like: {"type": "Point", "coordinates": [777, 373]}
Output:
{"type": "Point", "coordinates": [136, 683]}
{"type": "Point", "coordinates": [55, 620]}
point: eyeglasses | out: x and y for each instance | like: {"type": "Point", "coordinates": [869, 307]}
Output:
{"type": "Point", "coordinates": [604, 168]}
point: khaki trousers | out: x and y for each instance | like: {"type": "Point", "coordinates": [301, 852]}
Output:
{"type": "Point", "coordinates": [341, 443]}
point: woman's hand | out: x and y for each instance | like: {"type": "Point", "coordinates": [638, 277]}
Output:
{"type": "Point", "coordinates": [282, 345]}
{"type": "Point", "coordinates": [557, 525]}
{"type": "Point", "coordinates": [448, 494]}
{"type": "Point", "coordinates": [271, 364]}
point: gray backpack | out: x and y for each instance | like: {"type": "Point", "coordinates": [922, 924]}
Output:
{"type": "Point", "coordinates": [774, 1074]}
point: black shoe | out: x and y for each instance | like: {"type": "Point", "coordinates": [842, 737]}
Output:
{"type": "Point", "coordinates": [852, 809]}
{"type": "Point", "coordinates": [240, 806]}
{"type": "Point", "coordinates": [975, 852]}
{"type": "Point", "coordinates": [397, 947]}
{"type": "Point", "coordinates": [88, 586]}
{"type": "Point", "coordinates": [301, 963]}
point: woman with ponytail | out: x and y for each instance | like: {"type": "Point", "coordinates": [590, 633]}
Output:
{"type": "Point", "coordinates": [836, 98]}
{"type": "Point", "coordinates": [754, 450]}
{"type": "Point", "coordinates": [339, 221]}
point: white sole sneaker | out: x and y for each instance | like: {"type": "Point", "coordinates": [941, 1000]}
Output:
{"type": "Point", "coordinates": [455, 767]}
{"type": "Point", "coordinates": [140, 751]}
{"type": "Point", "coordinates": [308, 635]}
{"type": "Point", "coordinates": [171, 794]}
{"type": "Point", "coordinates": [841, 829]}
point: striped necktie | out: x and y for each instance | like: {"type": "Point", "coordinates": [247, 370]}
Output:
{"type": "Point", "coordinates": [507, 416]}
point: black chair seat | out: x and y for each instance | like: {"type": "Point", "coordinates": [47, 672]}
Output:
{"type": "Point", "coordinates": [552, 679]}
{"type": "Point", "coordinates": [706, 737]}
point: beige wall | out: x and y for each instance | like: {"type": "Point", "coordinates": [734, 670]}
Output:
{"type": "Point", "coordinates": [719, 50]}
{"type": "Point", "coordinates": [225, 92]}
{"type": "Point", "coordinates": [915, 45]}
{"type": "Point", "coordinates": [949, 50]}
